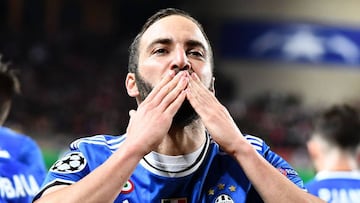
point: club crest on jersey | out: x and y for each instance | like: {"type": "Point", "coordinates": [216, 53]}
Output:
{"type": "Point", "coordinates": [222, 192]}
{"type": "Point", "coordinates": [71, 163]}
{"type": "Point", "coordinates": [128, 187]}
{"type": "Point", "coordinates": [224, 198]}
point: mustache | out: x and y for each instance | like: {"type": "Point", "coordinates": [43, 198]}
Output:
{"type": "Point", "coordinates": [178, 70]}
{"type": "Point", "coordinates": [145, 87]}
{"type": "Point", "coordinates": [190, 71]}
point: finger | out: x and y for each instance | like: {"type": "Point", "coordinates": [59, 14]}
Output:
{"type": "Point", "coordinates": [197, 88]}
{"type": "Point", "coordinates": [174, 93]}
{"type": "Point", "coordinates": [172, 86]}
{"type": "Point", "coordinates": [165, 80]}
{"type": "Point", "coordinates": [195, 78]}
{"type": "Point", "coordinates": [200, 97]}
{"type": "Point", "coordinates": [175, 105]}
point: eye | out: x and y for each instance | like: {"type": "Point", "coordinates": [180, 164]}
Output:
{"type": "Point", "coordinates": [195, 53]}
{"type": "Point", "coordinates": [160, 51]}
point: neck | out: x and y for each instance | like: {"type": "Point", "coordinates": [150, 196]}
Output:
{"type": "Point", "coordinates": [338, 161]}
{"type": "Point", "coordinates": [180, 141]}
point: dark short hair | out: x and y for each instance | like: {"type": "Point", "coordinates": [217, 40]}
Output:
{"type": "Point", "coordinates": [134, 47]}
{"type": "Point", "coordinates": [340, 126]}
{"type": "Point", "coordinates": [9, 83]}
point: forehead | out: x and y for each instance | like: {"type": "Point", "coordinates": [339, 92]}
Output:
{"type": "Point", "coordinates": [174, 27]}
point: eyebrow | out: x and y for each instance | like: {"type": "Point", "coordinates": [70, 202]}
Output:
{"type": "Point", "coordinates": [195, 43]}
{"type": "Point", "coordinates": [167, 41]}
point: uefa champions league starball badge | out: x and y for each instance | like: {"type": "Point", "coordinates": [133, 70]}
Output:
{"type": "Point", "coordinates": [71, 163]}
{"type": "Point", "coordinates": [224, 198]}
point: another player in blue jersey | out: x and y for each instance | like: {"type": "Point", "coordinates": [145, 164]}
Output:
{"type": "Point", "coordinates": [181, 144]}
{"type": "Point", "coordinates": [333, 149]}
{"type": "Point", "coordinates": [22, 168]}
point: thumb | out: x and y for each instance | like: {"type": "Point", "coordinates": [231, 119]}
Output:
{"type": "Point", "coordinates": [131, 113]}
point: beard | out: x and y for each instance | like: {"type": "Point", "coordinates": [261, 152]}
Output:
{"type": "Point", "coordinates": [183, 117]}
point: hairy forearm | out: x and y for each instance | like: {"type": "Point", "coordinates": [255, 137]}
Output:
{"type": "Point", "coordinates": [101, 185]}
{"type": "Point", "coordinates": [270, 183]}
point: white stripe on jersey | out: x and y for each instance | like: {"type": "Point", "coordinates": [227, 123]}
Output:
{"type": "Point", "coordinates": [324, 175]}
{"type": "Point", "coordinates": [98, 140]}
{"type": "Point", "coordinates": [256, 142]}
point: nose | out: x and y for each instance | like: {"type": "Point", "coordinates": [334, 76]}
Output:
{"type": "Point", "coordinates": [180, 60]}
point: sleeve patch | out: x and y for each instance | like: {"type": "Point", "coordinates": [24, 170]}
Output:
{"type": "Point", "coordinates": [288, 171]}
{"type": "Point", "coordinates": [70, 163]}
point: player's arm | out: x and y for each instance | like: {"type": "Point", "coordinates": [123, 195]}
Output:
{"type": "Point", "coordinates": [277, 162]}
{"type": "Point", "coordinates": [147, 127]}
{"type": "Point", "coordinates": [267, 180]}
{"type": "Point", "coordinates": [271, 185]}
{"type": "Point", "coordinates": [101, 185]}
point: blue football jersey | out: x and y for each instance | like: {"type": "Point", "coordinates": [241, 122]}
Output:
{"type": "Point", "coordinates": [22, 168]}
{"type": "Point", "coordinates": [336, 186]}
{"type": "Point", "coordinates": [206, 175]}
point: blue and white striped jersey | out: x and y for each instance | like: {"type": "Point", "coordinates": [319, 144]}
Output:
{"type": "Point", "coordinates": [206, 175]}
{"type": "Point", "coordinates": [336, 186]}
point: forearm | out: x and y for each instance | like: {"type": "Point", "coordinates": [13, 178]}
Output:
{"type": "Point", "coordinates": [102, 185]}
{"type": "Point", "coordinates": [270, 183]}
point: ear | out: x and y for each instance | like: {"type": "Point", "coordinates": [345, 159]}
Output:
{"type": "Point", "coordinates": [317, 153]}
{"type": "Point", "coordinates": [313, 149]}
{"type": "Point", "coordinates": [131, 86]}
{"type": "Point", "coordinates": [4, 110]}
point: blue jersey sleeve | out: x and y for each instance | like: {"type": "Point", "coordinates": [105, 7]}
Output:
{"type": "Point", "coordinates": [274, 159]}
{"type": "Point", "coordinates": [277, 161]}
{"type": "Point", "coordinates": [84, 156]}
{"type": "Point", "coordinates": [65, 171]}
{"type": "Point", "coordinates": [285, 168]}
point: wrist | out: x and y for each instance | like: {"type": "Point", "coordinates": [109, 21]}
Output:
{"type": "Point", "coordinates": [130, 150]}
{"type": "Point", "coordinates": [242, 150]}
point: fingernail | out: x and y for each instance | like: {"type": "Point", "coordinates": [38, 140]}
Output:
{"type": "Point", "coordinates": [193, 75]}
{"type": "Point", "coordinates": [171, 72]}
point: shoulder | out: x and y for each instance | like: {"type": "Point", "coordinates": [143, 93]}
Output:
{"type": "Point", "coordinates": [313, 185]}
{"type": "Point", "coordinates": [108, 141]}
{"type": "Point", "coordinates": [11, 166]}
{"type": "Point", "coordinates": [336, 176]}
{"type": "Point", "coordinates": [11, 135]}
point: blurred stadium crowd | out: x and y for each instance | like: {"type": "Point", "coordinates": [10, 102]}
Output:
{"type": "Point", "coordinates": [73, 85]}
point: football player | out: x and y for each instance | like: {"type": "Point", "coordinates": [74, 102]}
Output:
{"type": "Point", "coordinates": [181, 144]}
{"type": "Point", "coordinates": [22, 167]}
{"type": "Point", "coordinates": [333, 148]}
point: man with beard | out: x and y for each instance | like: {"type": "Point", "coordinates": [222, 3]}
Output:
{"type": "Point", "coordinates": [181, 144]}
